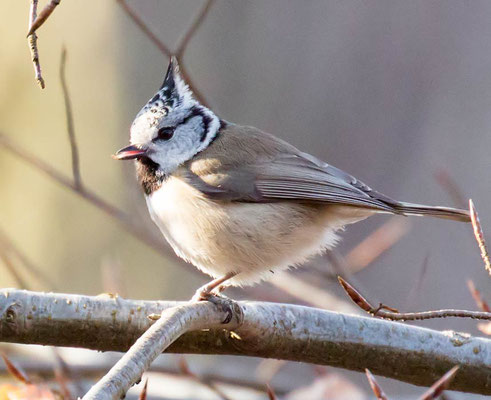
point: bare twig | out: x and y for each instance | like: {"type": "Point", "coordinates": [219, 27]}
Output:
{"type": "Point", "coordinates": [432, 393]}
{"type": "Point", "coordinates": [69, 122]}
{"type": "Point", "coordinates": [377, 243]}
{"type": "Point", "coordinates": [8, 247]}
{"type": "Point", "coordinates": [143, 394]}
{"type": "Point", "coordinates": [164, 49]}
{"type": "Point", "coordinates": [17, 373]}
{"type": "Point", "coordinates": [415, 290]}
{"type": "Point", "coordinates": [197, 93]}
{"type": "Point", "coordinates": [377, 390]}
{"type": "Point", "coordinates": [126, 222]}
{"type": "Point", "coordinates": [43, 16]}
{"type": "Point", "coordinates": [310, 294]}
{"type": "Point", "coordinates": [478, 233]}
{"type": "Point", "coordinates": [13, 270]}
{"type": "Point", "coordinates": [184, 368]}
{"type": "Point", "coordinates": [197, 21]}
{"type": "Point", "coordinates": [386, 312]}
{"type": "Point", "coordinates": [272, 330]}
{"type": "Point", "coordinates": [172, 324]}
{"type": "Point", "coordinates": [92, 371]}
{"type": "Point", "coordinates": [144, 28]}
{"type": "Point", "coordinates": [63, 374]}
{"type": "Point", "coordinates": [451, 187]}
{"type": "Point", "coordinates": [33, 47]}
{"type": "Point", "coordinates": [270, 392]}
{"type": "Point", "coordinates": [476, 295]}
{"type": "Point", "coordinates": [62, 379]}
{"type": "Point", "coordinates": [268, 368]}
{"type": "Point", "coordinates": [440, 385]}
{"type": "Point", "coordinates": [484, 327]}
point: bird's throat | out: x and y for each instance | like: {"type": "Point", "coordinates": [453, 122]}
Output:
{"type": "Point", "coordinates": [149, 175]}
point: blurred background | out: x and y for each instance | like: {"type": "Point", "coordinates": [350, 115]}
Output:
{"type": "Point", "coordinates": [397, 93]}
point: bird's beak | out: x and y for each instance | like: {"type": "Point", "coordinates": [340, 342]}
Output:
{"type": "Point", "coordinates": [129, 153]}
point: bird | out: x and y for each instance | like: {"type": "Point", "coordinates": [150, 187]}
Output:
{"type": "Point", "coordinates": [239, 203]}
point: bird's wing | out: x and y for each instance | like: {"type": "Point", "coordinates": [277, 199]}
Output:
{"type": "Point", "coordinates": [287, 174]}
{"type": "Point", "coordinates": [302, 177]}
{"type": "Point", "coordinates": [247, 165]}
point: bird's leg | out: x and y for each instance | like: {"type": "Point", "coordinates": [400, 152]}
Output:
{"type": "Point", "coordinates": [206, 291]}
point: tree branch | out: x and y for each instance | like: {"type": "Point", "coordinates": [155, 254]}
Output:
{"type": "Point", "coordinates": [384, 311]}
{"type": "Point", "coordinates": [173, 323]}
{"type": "Point", "coordinates": [43, 16]}
{"type": "Point", "coordinates": [32, 39]}
{"type": "Point", "coordinates": [478, 233]}
{"type": "Point", "coordinates": [188, 35]}
{"type": "Point", "coordinates": [164, 49]}
{"type": "Point", "coordinates": [268, 330]}
{"type": "Point", "coordinates": [114, 212]}
{"type": "Point", "coordinates": [77, 179]}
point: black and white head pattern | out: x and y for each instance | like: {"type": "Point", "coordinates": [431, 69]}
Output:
{"type": "Point", "coordinates": [173, 127]}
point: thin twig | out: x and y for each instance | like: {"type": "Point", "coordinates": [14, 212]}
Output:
{"type": "Point", "coordinates": [273, 330]}
{"type": "Point", "coordinates": [197, 93]}
{"type": "Point", "coordinates": [416, 289]}
{"type": "Point", "coordinates": [143, 393]}
{"type": "Point", "coordinates": [268, 368]}
{"type": "Point", "coordinates": [476, 295]}
{"type": "Point", "coordinates": [13, 270]}
{"type": "Point", "coordinates": [184, 368]}
{"type": "Point", "coordinates": [33, 47]}
{"type": "Point", "coordinates": [386, 312]}
{"type": "Point", "coordinates": [79, 371]}
{"type": "Point", "coordinates": [69, 122]}
{"type": "Point", "coordinates": [310, 294]}
{"type": "Point", "coordinates": [377, 243]}
{"type": "Point", "coordinates": [173, 323]}
{"type": "Point", "coordinates": [376, 389]}
{"type": "Point", "coordinates": [270, 392]}
{"type": "Point", "coordinates": [6, 245]}
{"type": "Point", "coordinates": [440, 385]}
{"type": "Point", "coordinates": [16, 372]}
{"type": "Point", "coordinates": [164, 49]}
{"type": "Point", "coordinates": [478, 233]}
{"type": "Point", "coordinates": [43, 16]}
{"type": "Point", "coordinates": [144, 28]}
{"type": "Point", "coordinates": [197, 21]}
{"type": "Point", "coordinates": [451, 187]}
{"type": "Point", "coordinates": [109, 209]}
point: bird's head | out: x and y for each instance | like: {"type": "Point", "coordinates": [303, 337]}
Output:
{"type": "Point", "coordinates": [172, 127]}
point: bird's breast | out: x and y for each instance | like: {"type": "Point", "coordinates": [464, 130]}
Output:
{"type": "Point", "coordinates": [186, 218]}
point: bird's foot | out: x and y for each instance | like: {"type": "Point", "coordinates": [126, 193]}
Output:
{"type": "Point", "coordinates": [202, 294]}
{"type": "Point", "coordinates": [212, 288]}
{"type": "Point", "coordinates": [212, 294]}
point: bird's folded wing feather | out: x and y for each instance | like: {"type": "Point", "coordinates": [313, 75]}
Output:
{"type": "Point", "coordinates": [286, 175]}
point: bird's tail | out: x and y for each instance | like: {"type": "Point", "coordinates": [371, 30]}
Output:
{"type": "Point", "coordinates": [438, 212]}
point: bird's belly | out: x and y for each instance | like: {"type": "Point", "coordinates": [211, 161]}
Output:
{"type": "Point", "coordinates": [249, 238]}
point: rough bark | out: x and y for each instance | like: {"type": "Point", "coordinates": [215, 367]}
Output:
{"type": "Point", "coordinates": [407, 353]}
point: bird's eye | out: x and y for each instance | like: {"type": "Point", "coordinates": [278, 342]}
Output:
{"type": "Point", "coordinates": [166, 133]}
